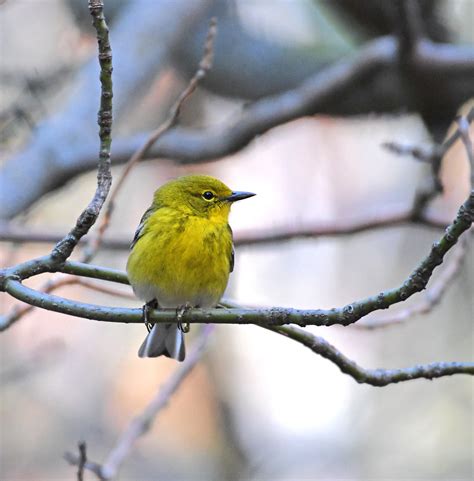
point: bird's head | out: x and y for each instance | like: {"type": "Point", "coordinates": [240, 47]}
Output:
{"type": "Point", "coordinates": [199, 195]}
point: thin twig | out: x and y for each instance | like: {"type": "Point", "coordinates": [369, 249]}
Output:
{"type": "Point", "coordinates": [437, 151]}
{"type": "Point", "coordinates": [141, 424]}
{"type": "Point", "coordinates": [73, 460]}
{"type": "Point", "coordinates": [423, 154]}
{"type": "Point", "coordinates": [82, 460]}
{"type": "Point", "coordinates": [434, 157]}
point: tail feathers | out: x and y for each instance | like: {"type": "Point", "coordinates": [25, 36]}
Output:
{"type": "Point", "coordinates": [164, 339]}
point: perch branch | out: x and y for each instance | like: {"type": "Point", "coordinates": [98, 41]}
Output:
{"type": "Point", "coordinates": [349, 314]}
{"type": "Point", "coordinates": [10, 281]}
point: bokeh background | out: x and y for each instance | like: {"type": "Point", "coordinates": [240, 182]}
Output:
{"type": "Point", "coordinates": [258, 407]}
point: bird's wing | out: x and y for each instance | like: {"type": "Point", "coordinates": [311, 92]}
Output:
{"type": "Point", "coordinates": [232, 253]}
{"type": "Point", "coordinates": [141, 227]}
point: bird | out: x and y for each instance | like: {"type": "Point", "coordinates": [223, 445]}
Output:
{"type": "Point", "coordinates": [182, 255]}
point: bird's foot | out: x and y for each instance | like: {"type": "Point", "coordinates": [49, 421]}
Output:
{"type": "Point", "coordinates": [153, 304]}
{"type": "Point", "coordinates": [180, 312]}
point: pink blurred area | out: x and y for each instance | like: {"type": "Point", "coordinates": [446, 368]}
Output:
{"type": "Point", "coordinates": [258, 406]}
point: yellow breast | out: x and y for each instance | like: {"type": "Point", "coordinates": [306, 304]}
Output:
{"type": "Point", "coordinates": [181, 259]}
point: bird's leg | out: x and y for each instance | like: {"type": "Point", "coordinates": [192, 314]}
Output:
{"type": "Point", "coordinates": [153, 304]}
{"type": "Point", "coordinates": [180, 312]}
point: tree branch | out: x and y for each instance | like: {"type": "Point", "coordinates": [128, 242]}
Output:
{"type": "Point", "coordinates": [374, 377]}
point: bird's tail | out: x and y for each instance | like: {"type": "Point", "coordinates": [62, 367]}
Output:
{"type": "Point", "coordinates": [164, 339]}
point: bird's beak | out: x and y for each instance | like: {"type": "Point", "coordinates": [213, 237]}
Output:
{"type": "Point", "coordinates": [239, 196]}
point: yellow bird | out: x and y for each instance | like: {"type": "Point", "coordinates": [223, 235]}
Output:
{"type": "Point", "coordinates": [182, 254]}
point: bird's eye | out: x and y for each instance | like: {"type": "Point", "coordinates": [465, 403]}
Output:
{"type": "Point", "coordinates": [208, 195]}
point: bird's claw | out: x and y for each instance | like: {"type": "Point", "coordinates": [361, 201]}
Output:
{"type": "Point", "coordinates": [153, 304]}
{"type": "Point", "coordinates": [184, 327]}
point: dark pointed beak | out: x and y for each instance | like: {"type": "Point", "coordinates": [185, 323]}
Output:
{"type": "Point", "coordinates": [239, 196]}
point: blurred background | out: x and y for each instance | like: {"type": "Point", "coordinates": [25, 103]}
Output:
{"type": "Point", "coordinates": [258, 407]}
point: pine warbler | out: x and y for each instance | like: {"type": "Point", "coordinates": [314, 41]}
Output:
{"type": "Point", "coordinates": [182, 254]}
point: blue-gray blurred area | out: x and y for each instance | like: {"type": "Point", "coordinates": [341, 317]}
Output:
{"type": "Point", "coordinates": [258, 407]}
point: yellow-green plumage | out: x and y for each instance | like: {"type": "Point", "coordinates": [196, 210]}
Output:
{"type": "Point", "coordinates": [182, 253]}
